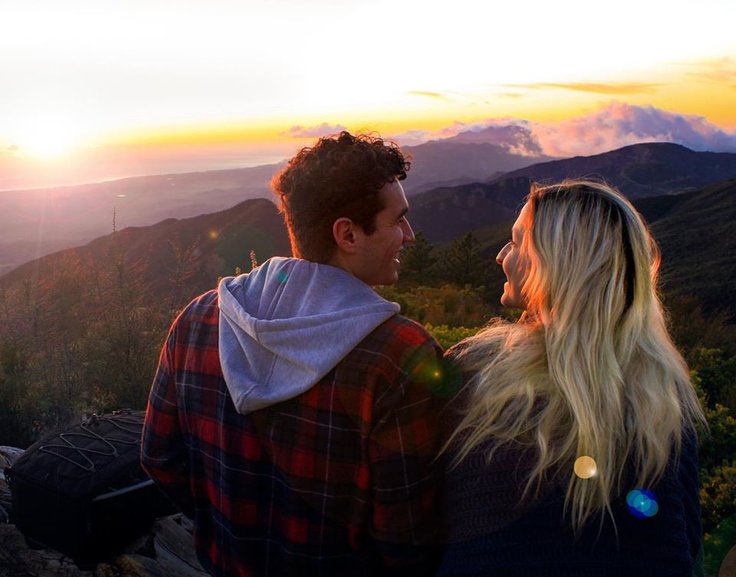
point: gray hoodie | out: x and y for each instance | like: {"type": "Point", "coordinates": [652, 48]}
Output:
{"type": "Point", "coordinates": [287, 323]}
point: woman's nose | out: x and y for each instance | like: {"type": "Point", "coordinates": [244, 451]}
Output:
{"type": "Point", "coordinates": [502, 253]}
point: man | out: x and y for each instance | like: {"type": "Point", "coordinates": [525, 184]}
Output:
{"type": "Point", "coordinates": [293, 412]}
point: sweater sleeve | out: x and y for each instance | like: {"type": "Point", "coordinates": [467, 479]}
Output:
{"type": "Point", "coordinates": [689, 468]}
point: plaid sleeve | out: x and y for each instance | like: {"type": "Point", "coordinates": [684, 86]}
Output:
{"type": "Point", "coordinates": [163, 451]}
{"type": "Point", "coordinates": [405, 442]}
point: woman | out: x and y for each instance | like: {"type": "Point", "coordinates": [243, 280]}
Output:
{"type": "Point", "coordinates": [573, 450]}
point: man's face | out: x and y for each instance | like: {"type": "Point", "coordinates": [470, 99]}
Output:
{"type": "Point", "coordinates": [377, 261]}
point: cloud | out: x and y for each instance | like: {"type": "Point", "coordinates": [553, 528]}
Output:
{"type": "Point", "coordinates": [719, 71]}
{"type": "Point", "coordinates": [513, 135]}
{"type": "Point", "coordinates": [617, 88]}
{"type": "Point", "coordinates": [613, 126]}
{"type": "Point", "coordinates": [619, 124]}
{"type": "Point", "coordinates": [411, 137]}
{"type": "Point", "coordinates": [323, 129]}
{"type": "Point", "coordinates": [428, 94]}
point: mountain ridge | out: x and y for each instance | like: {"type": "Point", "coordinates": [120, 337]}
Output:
{"type": "Point", "coordinates": [172, 253]}
{"type": "Point", "coordinates": [638, 170]}
{"type": "Point", "coordinates": [47, 220]}
{"type": "Point", "coordinates": [43, 220]}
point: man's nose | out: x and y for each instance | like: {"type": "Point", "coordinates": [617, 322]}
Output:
{"type": "Point", "coordinates": [408, 233]}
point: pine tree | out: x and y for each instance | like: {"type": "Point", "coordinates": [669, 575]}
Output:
{"type": "Point", "coordinates": [463, 264]}
{"type": "Point", "coordinates": [417, 261]}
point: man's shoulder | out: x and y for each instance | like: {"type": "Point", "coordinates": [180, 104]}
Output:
{"type": "Point", "coordinates": [398, 342]}
{"type": "Point", "coordinates": [202, 308]}
{"type": "Point", "coordinates": [401, 329]}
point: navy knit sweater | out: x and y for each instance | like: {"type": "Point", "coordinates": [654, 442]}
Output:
{"type": "Point", "coordinates": [492, 531]}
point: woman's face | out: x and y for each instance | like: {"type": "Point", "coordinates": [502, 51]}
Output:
{"type": "Point", "coordinates": [514, 264]}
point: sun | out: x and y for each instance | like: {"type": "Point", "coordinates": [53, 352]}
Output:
{"type": "Point", "coordinates": [47, 140]}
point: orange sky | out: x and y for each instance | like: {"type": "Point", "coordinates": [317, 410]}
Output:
{"type": "Point", "coordinates": [98, 90]}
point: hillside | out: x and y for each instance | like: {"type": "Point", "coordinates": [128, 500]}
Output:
{"type": "Point", "coordinates": [177, 258]}
{"type": "Point", "coordinates": [697, 236]}
{"type": "Point", "coordinates": [696, 231]}
{"type": "Point", "coordinates": [171, 260]}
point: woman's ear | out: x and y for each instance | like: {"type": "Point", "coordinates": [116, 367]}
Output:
{"type": "Point", "coordinates": [344, 232]}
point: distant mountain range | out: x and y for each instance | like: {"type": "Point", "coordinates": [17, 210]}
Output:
{"type": "Point", "coordinates": [454, 162]}
{"type": "Point", "coordinates": [41, 221]}
{"type": "Point", "coordinates": [639, 170]}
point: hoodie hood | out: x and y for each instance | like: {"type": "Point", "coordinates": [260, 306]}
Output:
{"type": "Point", "coordinates": [288, 323]}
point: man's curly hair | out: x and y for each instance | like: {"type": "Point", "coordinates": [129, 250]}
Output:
{"type": "Point", "coordinates": [340, 176]}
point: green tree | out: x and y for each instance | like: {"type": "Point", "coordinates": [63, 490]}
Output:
{"type": "Point", "coordinates": [417, 261]}
{"type": "Point", "coordinates": [15, 427]}
{"type": "Point", "coordinates": [691, 328]}
{"type": "Point", "coordinates": [716, 372]}
{"type": "Point", "coordinates": [718, 495]}
{"type": "Point", "coordinates": [449, 336]}
{"type": "Point", "coordinates": [463, 264]}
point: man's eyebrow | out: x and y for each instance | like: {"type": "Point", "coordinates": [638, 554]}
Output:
{"type": "Point", "coordinates": [403, 212]}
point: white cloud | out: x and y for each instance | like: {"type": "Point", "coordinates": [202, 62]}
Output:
{"type": "Point", "coordinates": [323, 129]}
{"type": "Point", "coordinates": [411, 137]}
{"type": "Point", "coordinates": [615, 125]}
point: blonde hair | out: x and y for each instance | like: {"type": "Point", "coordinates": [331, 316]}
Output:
{"type": "Point", "coordinates": [590, 369]}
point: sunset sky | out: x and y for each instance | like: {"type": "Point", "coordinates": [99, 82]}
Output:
{"type": "Point", "coordinates": [97, 89]}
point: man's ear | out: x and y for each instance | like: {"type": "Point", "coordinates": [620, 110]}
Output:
{"type": "Point", "coordinates": [344, 232]}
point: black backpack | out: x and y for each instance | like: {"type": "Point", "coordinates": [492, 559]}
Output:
{"type": "Point", "coordinates": [83, 492]}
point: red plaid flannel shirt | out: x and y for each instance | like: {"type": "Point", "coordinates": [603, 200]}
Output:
{"type": "Point", "coordinates": [340, 480]}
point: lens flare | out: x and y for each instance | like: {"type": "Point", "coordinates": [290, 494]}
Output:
{"type": "Point", "coordinates": [642, 503]}
{"type": "Point", "coordinates": [585, 467]}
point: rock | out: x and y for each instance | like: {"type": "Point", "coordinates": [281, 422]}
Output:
{"type": "Point", "coordinates": [132, 566]}
{"type": "Point", "coordinates": [8, 456]}
{"type": "Point", "coordinates": [19, 560]}
{"type": "Point", "coordinates": [173, 547]}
